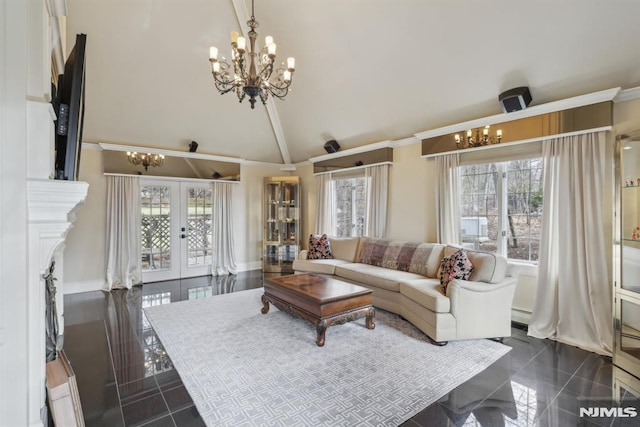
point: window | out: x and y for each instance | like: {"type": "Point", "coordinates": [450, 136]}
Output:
{"type": "Point", "coordinates": [349, 201]}
{"type": "Point", "coordinates": [501, 207]}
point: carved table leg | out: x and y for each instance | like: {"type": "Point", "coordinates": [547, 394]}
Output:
{"type": "Point", "coordinates": [321, 328]}
{"type": "Point", "coordinates": [265, 304]}
{"type": "Point", "coordinates": [370, 314]}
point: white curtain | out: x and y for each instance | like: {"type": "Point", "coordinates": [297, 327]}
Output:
{"type": "Point", "coordinates": [377, 178]}
{"type": "Point", "coordinates": [447, 205]}
{"type": "Point", "coordinates": [324, 204]}
{"type": "Point", "coordinates": [573, 295]}
{"type": "Point", "coordinates": [224, 255]}
{"type": "Point", "coordinates": [124, 265]}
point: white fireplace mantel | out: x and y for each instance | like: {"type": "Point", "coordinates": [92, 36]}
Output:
{"type": "Point", "coordinates": [51, 206]}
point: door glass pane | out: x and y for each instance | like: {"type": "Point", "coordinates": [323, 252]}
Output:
{"type": "Point", "coordinates": [199, 227]}
{"type": "Point", "coordinates": [156, 227]}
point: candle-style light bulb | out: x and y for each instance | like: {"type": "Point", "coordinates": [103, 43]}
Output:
{"type": "Point", "coordinates": [213, 53]}
{"type": "Point", "coordinates": [216, 67]}
{"type": "Point", "coordinates": [242, 44]}
{"type": "Point", "coordinates": [234, 37]}
{"type": "Point", "coordinates": [268, 40]}
{"type": "Point", "coordinates": [291, 64]}
{"type": "Point", "coordinates": [271, 49]}
{"type": "Point", "coordinates": [469, 133]}
{"type": "Point", "coordinates": [457, 138]}
{"type": "Point", "coordinates": [287, 75]}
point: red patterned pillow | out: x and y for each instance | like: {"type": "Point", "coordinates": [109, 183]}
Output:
{"type": "Point", "coordinates": [319, 247]}
{"type": "Point", "coordinates": [455, 266]}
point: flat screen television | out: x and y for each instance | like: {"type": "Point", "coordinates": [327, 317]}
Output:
{"type": "Point", "coordinates": [68, 103]}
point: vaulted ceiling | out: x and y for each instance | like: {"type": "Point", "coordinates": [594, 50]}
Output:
{"type": "Point", "coordinates": [366, 70]}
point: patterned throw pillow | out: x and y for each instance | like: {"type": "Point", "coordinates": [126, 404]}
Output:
{"type": "Point", "coordinates": [319, 247]}
{"type": "Point", "coordinates": [455, 266]}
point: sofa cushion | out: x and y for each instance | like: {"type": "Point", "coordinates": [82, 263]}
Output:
{"type": "Point", "coordinates": [372, 251]}
{"type": "Point", "coordinates": [321, 266]}
{"type": "Point", "coordinates": [426, 259]}
{"type": "Point", "coordinates": [487, 267]}
{"type": "Point", "coordinates": [455, 266]}
{"type": "Point", "coordinates": [380, 277]}
{"type": "Point", "coordinates": [428, 293]}
{"type": "Point", "coordinates": [344, 248]}
{"type": "Point", "coordinates": [420, 258]}
{"type": "Point", "coordinates": [319, 247]}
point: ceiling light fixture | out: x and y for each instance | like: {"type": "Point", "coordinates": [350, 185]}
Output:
{"type": "Point", "coordinates": [478, 141]}
{"type": "Point", "coordinates": [252, 79]}
{"type": "Point", "coordinates": [145, 160]}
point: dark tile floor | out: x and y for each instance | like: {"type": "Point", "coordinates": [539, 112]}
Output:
{"type": "Point", "coordinates": [126, 379]}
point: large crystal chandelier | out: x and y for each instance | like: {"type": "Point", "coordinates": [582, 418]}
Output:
{"type": "Point", "coordinates": [255, 78]}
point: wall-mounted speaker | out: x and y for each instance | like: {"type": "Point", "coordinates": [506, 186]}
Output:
{"type": "Point", "coordinates": [193, 146]}
{"type": "Point", "coordinates": [332, 146]}
{"type": "Point", "coordinates": [515, 99]}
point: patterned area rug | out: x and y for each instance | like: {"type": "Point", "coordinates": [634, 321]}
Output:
{"type": "Point", "coordinates": [245, 368]}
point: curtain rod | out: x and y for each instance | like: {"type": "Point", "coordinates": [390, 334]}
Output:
{"type": "Point", "coordinates": [171, 178]}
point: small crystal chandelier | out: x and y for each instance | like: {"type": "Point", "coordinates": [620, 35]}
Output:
{"type": "Point", "coordinates": [253, 79]}
{"type": "Point", "coordinates": [477, 141]}
{"type": "Point", "coordinates": [145, 160]}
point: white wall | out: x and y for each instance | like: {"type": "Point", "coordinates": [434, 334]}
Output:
{"type": "Point", "coordinates": [14, 314]}
{"type": "Point", "coordinates": [248, 212]}
{"type": "Point", "coordinates": [84, 255]}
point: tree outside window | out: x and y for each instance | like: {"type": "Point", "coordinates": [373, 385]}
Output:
{"type": "Point", "coordinates": [349, 207]}
{"type": "Point", "coordinates": [501, 207]}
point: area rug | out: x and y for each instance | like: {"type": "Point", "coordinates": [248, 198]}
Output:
{"type": "Point", "coordinates": [245, 368]}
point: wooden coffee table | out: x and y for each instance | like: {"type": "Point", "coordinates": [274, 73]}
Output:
{"type": "Point", "coordinates": [322, 300]}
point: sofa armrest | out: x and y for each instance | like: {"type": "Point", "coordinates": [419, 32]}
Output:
{"type": "Point", "coordinates": [302, 254]}
{"type": "Point", "coordinates": [482, 310]}
{"type": "Point", "coordinates": [471, 286]}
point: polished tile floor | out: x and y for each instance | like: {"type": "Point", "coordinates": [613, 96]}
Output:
{"type": "Point", "coordinates": [126, 379]}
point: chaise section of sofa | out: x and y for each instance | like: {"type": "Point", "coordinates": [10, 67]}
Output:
{"type": "Point", "coordinates": [405, 279]}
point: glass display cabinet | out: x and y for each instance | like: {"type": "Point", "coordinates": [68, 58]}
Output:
{"type": "Point", "coordinates": [626, 297]}
{"type": "Point", "coordinates": [281, 239]}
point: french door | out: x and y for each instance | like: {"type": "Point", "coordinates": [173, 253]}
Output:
{"type": "Point", "coordinates": [177, 234]}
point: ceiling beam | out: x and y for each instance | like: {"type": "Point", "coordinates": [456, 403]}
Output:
{"type": "Point", "coordinates": [242, 14]}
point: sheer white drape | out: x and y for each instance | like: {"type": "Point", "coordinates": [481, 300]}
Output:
{"type": "Point", "coordinates": [447, 205]}
{"type": "Point", "coordinates": [573, 295]}
{"type": "Point", "coordinates": [377, 178]}
{"type": "Point", "coordinates": [224, 256]}
{"type": "Point", "coordinates": [124, 264]}
{"type": "Point", "coordinates": [324, 204]}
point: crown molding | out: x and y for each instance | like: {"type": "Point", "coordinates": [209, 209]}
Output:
{"type": "Point", "coordinates": [189, 155]}
{"type": "Point", "coordinates": [406, 141]}
{"type": "Point", "coordinates": [627, 94]}
{"type": "Point", "coordinates": [356, 150]}
{"type": "Point", "coordinates": [564, 104]}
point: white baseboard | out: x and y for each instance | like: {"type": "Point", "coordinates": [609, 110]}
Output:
{"type": "Point", "coordinates": [96, 284]}
{"type": "Point", "coordinates": [520, 316]}
{"type": "Point", "coordinates": [82, 286]}
{"type": "Point", "coordinates": [248, 266]}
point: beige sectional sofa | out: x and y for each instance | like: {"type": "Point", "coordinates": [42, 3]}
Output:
{"type": "Point", "coordinates": [404, 277]}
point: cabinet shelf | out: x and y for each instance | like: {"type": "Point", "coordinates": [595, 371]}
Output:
{"type": "Point", "coordinates": [281, 228]}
